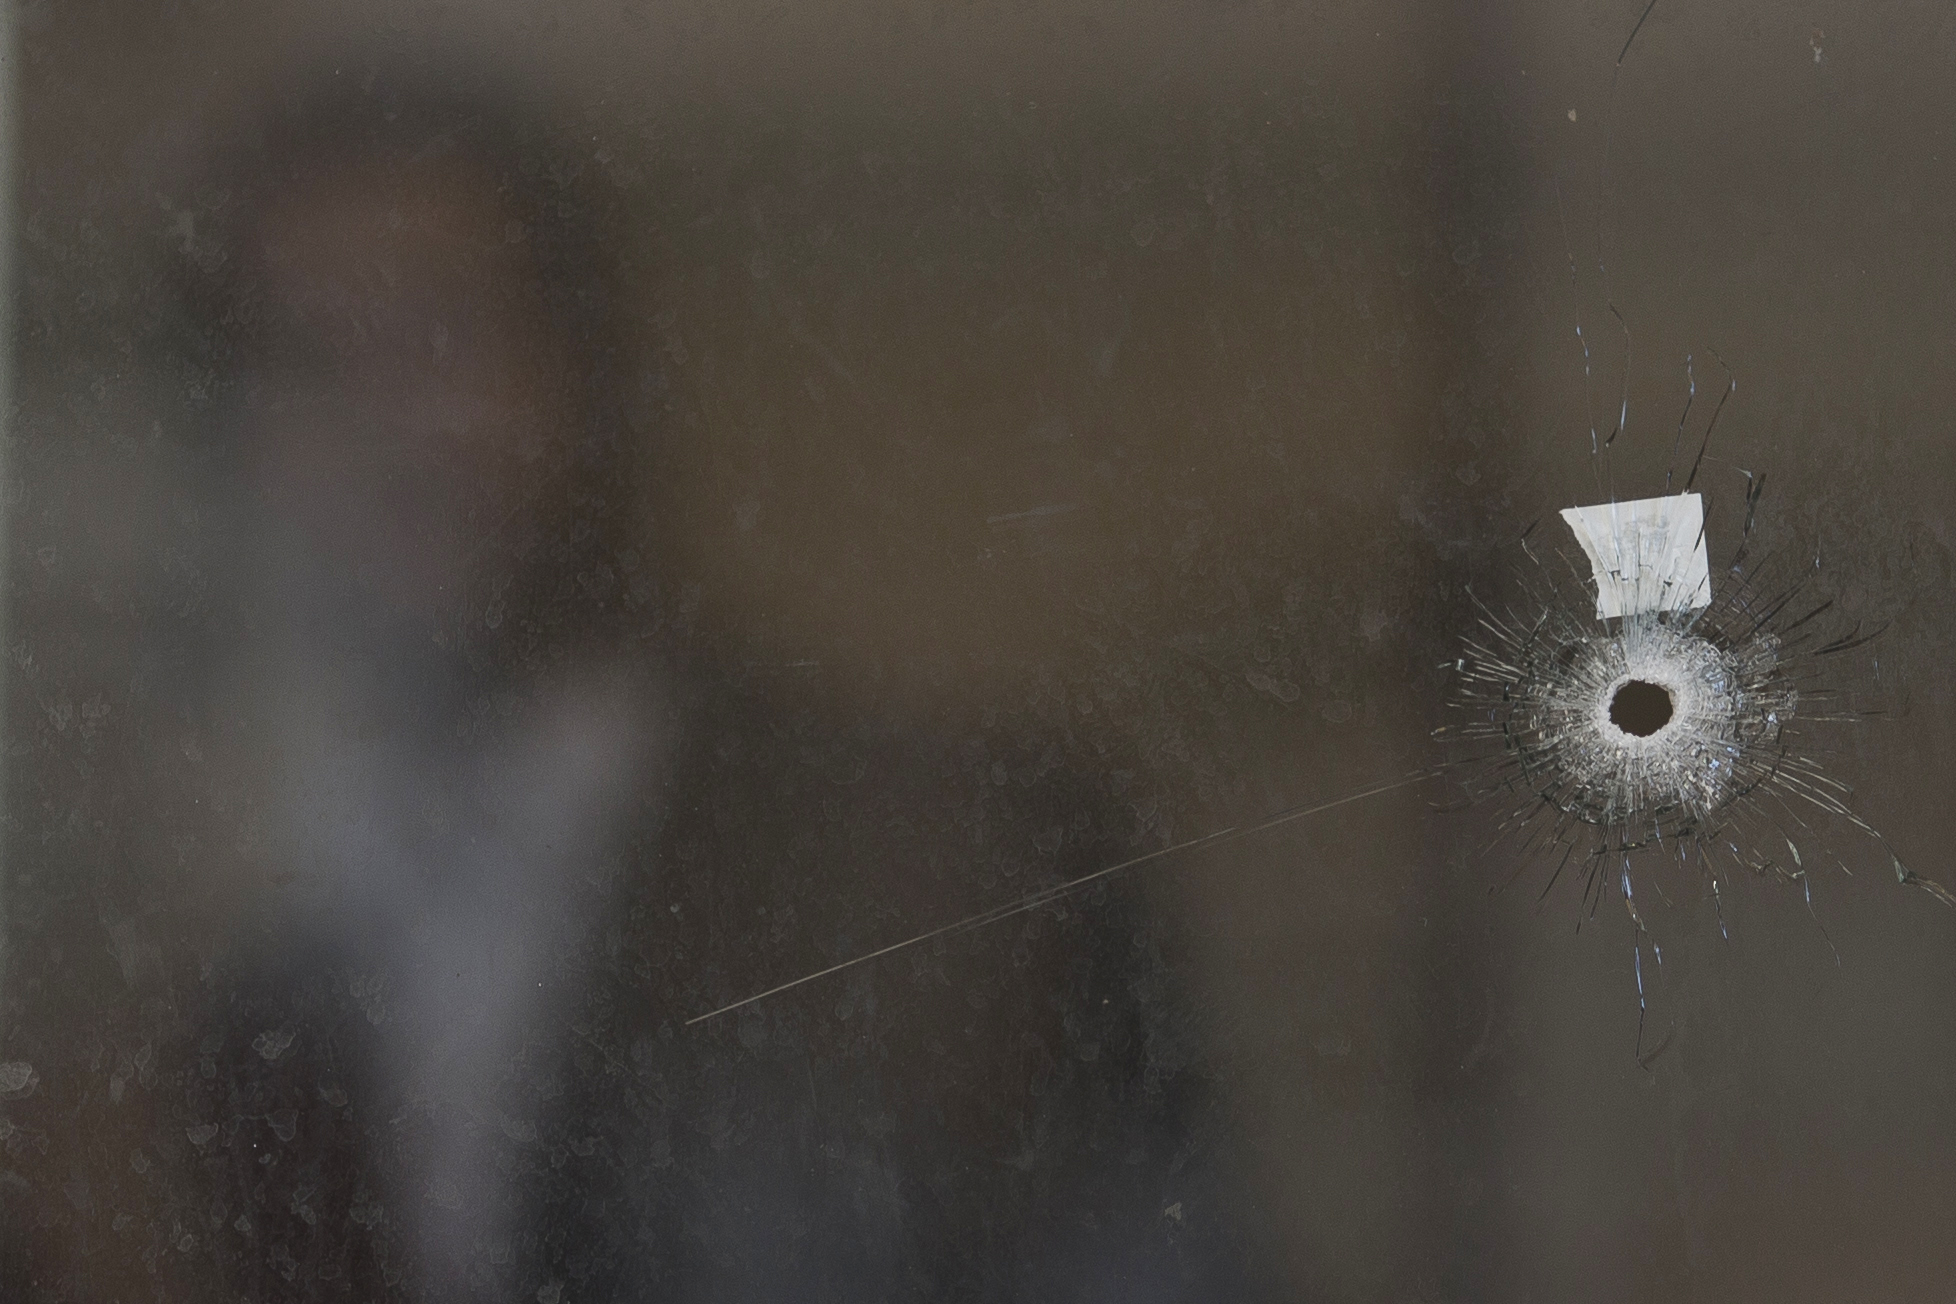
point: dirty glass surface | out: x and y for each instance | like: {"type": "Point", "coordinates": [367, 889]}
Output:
{"type": "Point", "coordinates": [529, 525]}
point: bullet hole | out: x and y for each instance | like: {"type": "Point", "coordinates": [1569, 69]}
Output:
{"type": "Point", "coordinates": [1640, 708]}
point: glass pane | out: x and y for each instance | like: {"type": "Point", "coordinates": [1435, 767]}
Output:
{"type": "Point", "coordinates": [528, 527]}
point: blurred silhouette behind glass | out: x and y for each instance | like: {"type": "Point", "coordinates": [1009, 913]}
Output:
{"type": "Point", "coordinates": [419, 731]}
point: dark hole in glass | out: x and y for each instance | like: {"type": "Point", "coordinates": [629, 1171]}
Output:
{"type": "Point", "coordinates": [1640, 708]}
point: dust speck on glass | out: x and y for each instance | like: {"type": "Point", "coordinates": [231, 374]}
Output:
{"type": "Point", "coordinates": [976, 651]}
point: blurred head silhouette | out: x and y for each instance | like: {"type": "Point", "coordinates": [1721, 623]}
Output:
{"type": "Point", "coordinates": [415, 331]}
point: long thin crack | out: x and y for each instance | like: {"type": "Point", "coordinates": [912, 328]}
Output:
{"type": "Point", "coordinates": [1046, 895]}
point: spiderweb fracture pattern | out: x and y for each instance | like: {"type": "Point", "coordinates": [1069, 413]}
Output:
{"type": "Point", "coordinates": [1732, 781]}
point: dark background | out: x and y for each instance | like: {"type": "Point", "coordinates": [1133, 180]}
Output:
{"type": "Point", "coordinates": [1035, 434]}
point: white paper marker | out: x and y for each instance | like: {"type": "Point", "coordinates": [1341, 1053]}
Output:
{"type": "Point", "coordinates": [1647, 555]}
